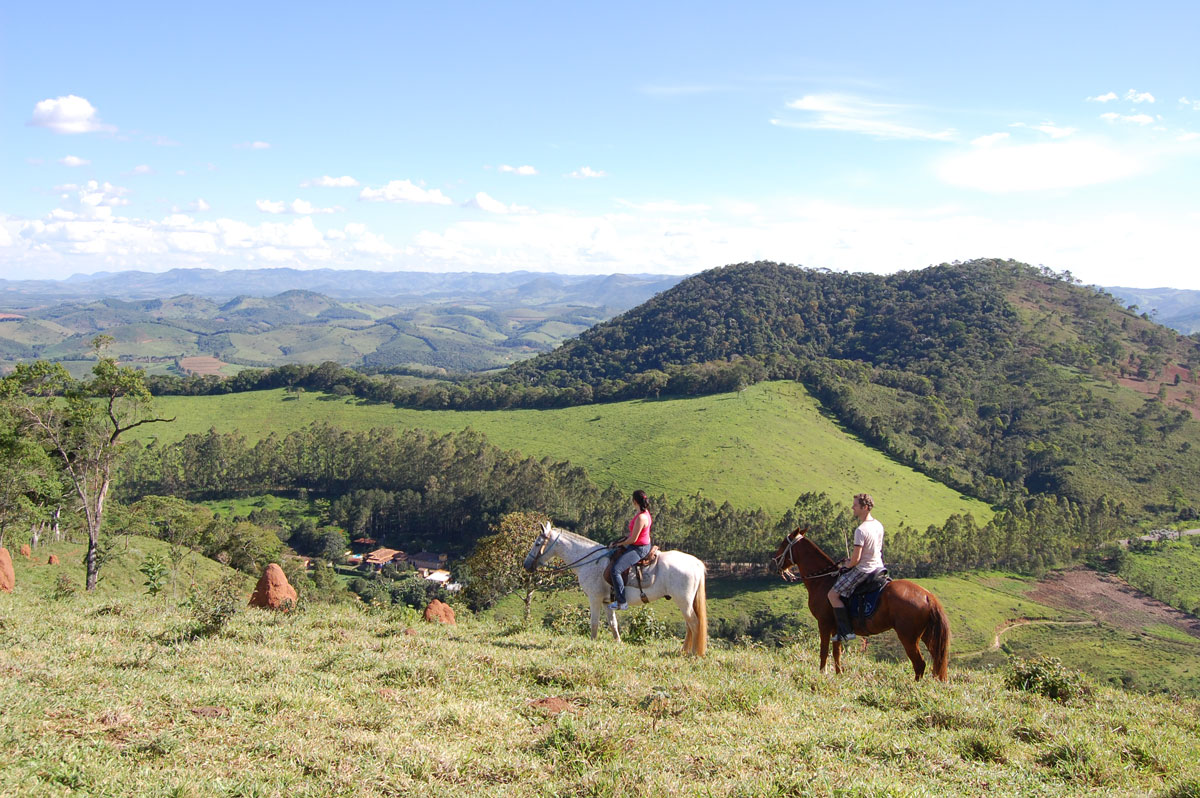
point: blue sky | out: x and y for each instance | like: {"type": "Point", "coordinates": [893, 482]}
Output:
{"type": "Point", "coordinates": [645, 137]}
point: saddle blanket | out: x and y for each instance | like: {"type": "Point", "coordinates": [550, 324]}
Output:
{"type": "Point", "coordinates": [863, 605]}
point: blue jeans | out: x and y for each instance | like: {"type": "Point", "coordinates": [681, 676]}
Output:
{"type": "Point", "coordinates": [625, 559]}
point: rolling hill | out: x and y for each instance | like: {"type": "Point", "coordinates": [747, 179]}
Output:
{"type": "Point", "coordinates": [759, 448]}
{"type": "Point", "coordinates": [455, 322]}
{"type": "Point", "coordinates": [990, 375]}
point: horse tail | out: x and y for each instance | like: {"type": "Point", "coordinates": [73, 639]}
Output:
{"type": "Point", "coordinates": [700, 608]}
{"type": "Point", "coordinates": [937, 638]}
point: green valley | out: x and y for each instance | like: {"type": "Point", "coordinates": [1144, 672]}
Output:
{"type": "Point", "coordinates": [761, 447]}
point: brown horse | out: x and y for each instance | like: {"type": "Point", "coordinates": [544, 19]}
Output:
{"type": "Point", "coordinates": [905, 606]}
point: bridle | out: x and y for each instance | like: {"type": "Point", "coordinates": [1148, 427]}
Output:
{"type": "Point", "coordinates": [547, 544]}
{"type": "Point", "coordinates": [786, 572]}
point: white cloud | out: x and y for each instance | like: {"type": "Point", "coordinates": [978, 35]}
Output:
{"type": "Point", "coordinates": [199, 205]}
{"type": "Point", "coordinates": [1050, 129]}
{"type": "Point", "coordinates": [664, 206]}
{"type": "Point", "coordinates": [1037, 167]}
{"type": "Point", "coordinates": [518, 170]}
{"type": "Point", "coordinates": [71, 160]}
{"type": "Point", "coordinates": [1103, 98]}
{"type": "Point", "coordinates": [253, 145]}
{"type": "Point", "coordinates": [143, 169]}
{"type": "Point", "coordinates": [1193, 104]}
{"type": "Point", "coordinates": [405, 191]}
{"type": "Point", "coordinates": [855, 115]}
{"type": "Point", "coordinates": [296, 206]}
{"type": "Point", "coordinates": [585, 172]}
{"type": "Point", "coordinates": [989, 140]}
{"type": "Point", "coordinates": [1190, 137]}
{"type": "Point", "coordinates": [345, 181]}
{"type": "Point", "coordinates": [70, 114]}
{"type": "Point", "coordinates": [1133, 95]}
{"type": "Point", "coordinates": [1133, 119]}
{"type": "Point", "coordinates": [483, 202]}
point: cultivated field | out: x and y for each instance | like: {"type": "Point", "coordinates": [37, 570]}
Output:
{"type": "Point", "coordinates": [761, 447]}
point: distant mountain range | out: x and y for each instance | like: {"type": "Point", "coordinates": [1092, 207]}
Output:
{"type": "Point", "coordinates": [395, 288]}
{"type": "Point", "coordinates": [1176, 308]}
{"type": "Point", "coordinates": [268, 317]}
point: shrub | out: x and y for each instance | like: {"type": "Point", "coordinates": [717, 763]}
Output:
{"type": "Point", "coordinates": [1047, 676]}
{"type": "Point", "coordinates": [568, 619]}
{"type": "Point", "coordinates": [154, 568]}
{"type": "Point", "coordinates": [64, 587]}
{"type": "Point", "coordinates": [213, 608]}
{"type": "Point", "coordinates": [644, 626]}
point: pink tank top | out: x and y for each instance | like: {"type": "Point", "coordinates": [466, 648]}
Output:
{"type": "Point", "coordinates": [643, 538]}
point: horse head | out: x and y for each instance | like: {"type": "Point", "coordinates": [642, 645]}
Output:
{"type": "Point", "coordinates": [541, 544]}
{"type": "Point", "coordinates": [798, 553]}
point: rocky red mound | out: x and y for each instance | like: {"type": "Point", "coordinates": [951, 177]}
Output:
{"type": "Point", "coordinates": [26, 552]}
{"type": "Point", "coordinates": [8, 579]}
{"type": "Point", "coordinates": [439, 612]}
{"type": "Point", "coordinates": [273, 591]}
{"type": "Point", "coordinates": [53, 560]}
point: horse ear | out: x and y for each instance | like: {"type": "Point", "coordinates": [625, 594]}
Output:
{"type": "Point", "coordinates": [799, 533]}
{"type": "Point", "coordinates": [546, 527]}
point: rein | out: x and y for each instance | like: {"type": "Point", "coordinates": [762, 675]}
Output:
{"type": "Point", "coordinates": [786, 572]}
{"type": "Point", "coordinates": [557, 568]}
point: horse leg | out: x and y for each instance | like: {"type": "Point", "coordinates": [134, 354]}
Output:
{"type": "Point", "coordinates": [837, 656]}
{"type": "Point", "coordinates": [914, 654]}
{"type": "Point", "coordinates": [616, 629]}
{"type": "Point", "coordinates": [597, 613]}
{"type": "Point", "coordinates": [826, 632]}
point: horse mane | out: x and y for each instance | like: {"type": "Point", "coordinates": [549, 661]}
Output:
{"type": "Point", "coordinates": [817, 550]}
{"type": "Point", "coordinates": [574, 535]}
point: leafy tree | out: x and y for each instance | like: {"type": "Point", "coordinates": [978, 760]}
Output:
{"type": "Point", "coordinates": [496, 569]}
{"type": "Point", "coordinates": [82, 422]}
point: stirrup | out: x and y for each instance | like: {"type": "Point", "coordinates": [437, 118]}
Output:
{"type": "Point", "coordinates": [618, 606]}
{"type": "Point", "coordinates": [844, 638]}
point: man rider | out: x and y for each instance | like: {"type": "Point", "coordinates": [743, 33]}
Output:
{"type": "Point", "coordinates": [866, 559]}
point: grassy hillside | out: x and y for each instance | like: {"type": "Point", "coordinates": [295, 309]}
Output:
{"type": "Point", "coordinates": [992, 616]}
{"type": "Point", "coordinates": [110, 698]}
{"type": "Point", "coordinates": [1169, 571]}
{"type": "Point", "coordinates": [989, 374]}
{"type": "Point", "coordinates": [760, 447]}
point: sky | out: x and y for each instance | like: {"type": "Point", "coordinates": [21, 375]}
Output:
{"type": "Point", "coordinates": [618, 137]}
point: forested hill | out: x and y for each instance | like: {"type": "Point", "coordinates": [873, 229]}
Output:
{"type": "Point", "coordinates": [992, 375]}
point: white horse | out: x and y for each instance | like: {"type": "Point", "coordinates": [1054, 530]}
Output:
{"type": "Point", "coordinates": [676, 575]}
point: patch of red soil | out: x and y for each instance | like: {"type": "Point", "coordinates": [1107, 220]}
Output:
{"type": "Point", "coordinates": [552, 705]}
{"type": "Point", "coordinates": [210, 712]}
{"type": "Point", "coordinates": [201, 365]}
{"type": "Point", "coordinates": [1111, 600]}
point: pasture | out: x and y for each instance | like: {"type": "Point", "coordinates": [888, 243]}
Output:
{"type": "Point", "coordinates": [115, 696]}
{"type": "Point", "coordinates": [761, 447]}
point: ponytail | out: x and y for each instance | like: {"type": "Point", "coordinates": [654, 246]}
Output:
{"type": "Point", "coordinates": [639, 497]}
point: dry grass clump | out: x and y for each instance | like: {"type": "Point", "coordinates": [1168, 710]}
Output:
{"type": "Point", "coordinates": [331, 702]}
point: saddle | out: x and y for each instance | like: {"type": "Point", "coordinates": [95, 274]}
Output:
{"type": "Point", "coordinates": [863, 602]}
{"type": "Point", "coordinates": [640, 579]}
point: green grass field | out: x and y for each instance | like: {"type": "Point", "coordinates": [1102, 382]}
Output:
{"type": "Point", "coordinates": [1170, 573]}
{"type": "Point", "coordinates": [761, 447]}
{"type": "Point", "coordinates": [110, 694]}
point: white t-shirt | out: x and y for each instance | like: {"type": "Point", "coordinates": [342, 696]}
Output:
{"type": "Point", "coordinates": [869, 535]}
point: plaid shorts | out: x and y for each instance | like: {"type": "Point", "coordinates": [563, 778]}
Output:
{"type": "Point", "coordinates": [846, 583]}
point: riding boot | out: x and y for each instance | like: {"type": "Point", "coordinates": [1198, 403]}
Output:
{"type": "Point", "coordinates": [844, 631]}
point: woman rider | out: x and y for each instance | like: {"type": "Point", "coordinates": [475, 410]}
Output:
{"type": "Point", "coordinates": [634, 547]}
{"type": "Point", "coordinates": [866, 560]}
